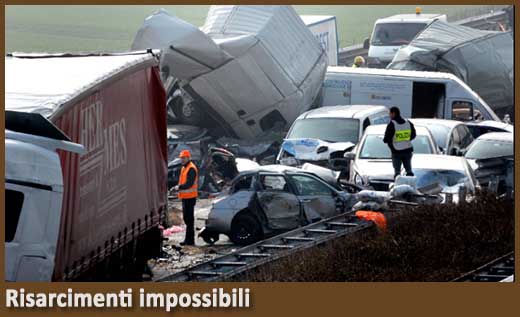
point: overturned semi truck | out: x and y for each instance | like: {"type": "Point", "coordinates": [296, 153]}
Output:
{"type": "Point", "coordinates": [246, 71]}
{"type": "Point", "coordinates": [114, 193]}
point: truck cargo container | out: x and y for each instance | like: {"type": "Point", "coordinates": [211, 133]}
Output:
{"type": "Point", "coordinates": [115, 193]}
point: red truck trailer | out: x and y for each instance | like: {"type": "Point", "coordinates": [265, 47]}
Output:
{"type": "Point", "coordinates": [115, 193]}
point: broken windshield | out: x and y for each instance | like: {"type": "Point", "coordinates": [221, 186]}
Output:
{"type": "Point", "coordinates": [395, 34]}
{"type": "Point", "coordinates": [326, 129]}
{"type": "Point", "coordinates": [375, 148]}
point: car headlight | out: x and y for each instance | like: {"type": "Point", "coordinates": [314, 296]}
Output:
{"type": "Point", "coordinates": [358, 180]}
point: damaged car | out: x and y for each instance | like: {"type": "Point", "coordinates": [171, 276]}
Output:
{"type": "Point", "coordinates": [491, 156]}
{"type": "Point", "coordinates": [270, 200]}
{"type": "Point", "coordinates": [453, 137]}
{"type": "Point", "coordinates": [309, 142]}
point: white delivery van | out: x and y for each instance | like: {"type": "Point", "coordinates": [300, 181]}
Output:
{"type": "Point", "coordinates": [391, 33]}
{"type": "Point", "coordinates": [324, 27]}
{"type": "Point", "coordinates": [417, 94]}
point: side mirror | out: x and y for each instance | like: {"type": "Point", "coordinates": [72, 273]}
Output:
{"type": "Point", "coordinates": [366, 44]}
{"type": "Point", "coordinates": [349, 155]}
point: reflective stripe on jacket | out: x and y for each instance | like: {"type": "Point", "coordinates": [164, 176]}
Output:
{"type": "Point", "coordinates": [402, 135]}
{"type": "Point", "coordinates": [192, 191]}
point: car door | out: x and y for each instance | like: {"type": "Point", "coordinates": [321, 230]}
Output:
{"type": "Point", "coordinates": [279, 204]}
{"type": "Point", "coordinates": [318, 200]}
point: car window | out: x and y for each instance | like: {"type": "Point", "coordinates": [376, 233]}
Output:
{"type": "Point", "coordinates": [462, 111]}
{"type": "Point", "coordinates": [338, 129]}
{"type": "Point", "coordinates": [439, 133]}
{"type": "Point", "coordinates": [243, 183]}
{"type": "Point", "coordinates": [273, 183]}
{"type": "Point", "coordinates": [366, 123]}
{"type": "Point", "coordinates": [465, 136]}
{"type": "Point", "coordinates": [456, 137]}
{"type": "Point", "coordinates": [13, 208]}
{"type": "Point", "coordinates": [482, 149]}
{"type": "Point", "coordinates": [395, 34]}
{"type": "Point", "coordinates": [308, 186]}
{"type": "Point", "coordinates": [374, 148]}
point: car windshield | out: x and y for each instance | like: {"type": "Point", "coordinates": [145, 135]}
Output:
{"type": "Point", "coordinates": [395, 34]}
{"type": "Point", "coordinates": [326, 129]}
{"type": "Point", "coordinates": [483, 149]}
{"type": "Point", "coordinates": [375, 148]}
{"type": "Point", "coordinates": [449, 180]}
{"type": "Point", "coordinates": [439, 133]}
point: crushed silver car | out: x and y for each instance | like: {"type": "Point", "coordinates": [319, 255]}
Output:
{"type": "Point", "coordinates": [491, 156]}
{"type": "Point", "coordinates": [273, 199]}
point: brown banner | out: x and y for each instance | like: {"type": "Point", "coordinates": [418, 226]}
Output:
{"type": "Point", "coordinates": [298, 299]}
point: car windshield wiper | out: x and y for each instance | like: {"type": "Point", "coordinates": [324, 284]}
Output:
{"type": "Point", "coordinates": [374, 158]}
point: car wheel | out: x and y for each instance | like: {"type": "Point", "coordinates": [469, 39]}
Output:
{"type": "Point", "coordinates": [208, 236]}
{"type": "Point", "coordinates": [245, 230]}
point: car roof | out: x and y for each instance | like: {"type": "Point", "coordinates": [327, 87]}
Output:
{"type": "Point", "coordinates": [410, 18]}
{"type": "Point", "coordinates": [275, 168]}
{"type": "Point", "coordinates": [380, 129]}
{"type": "Point", "coordinates": [497, 136]}
{"type": "Point", "coordinates": [442, 122]}
{"type": "Point", "coordinates": [345, 111]}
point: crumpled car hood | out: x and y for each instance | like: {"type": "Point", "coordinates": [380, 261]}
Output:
{"type": "Point", "coordinates": [306, 149]}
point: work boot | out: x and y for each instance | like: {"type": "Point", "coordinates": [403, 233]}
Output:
{"type": "Point", "coordinates": [183, 243]}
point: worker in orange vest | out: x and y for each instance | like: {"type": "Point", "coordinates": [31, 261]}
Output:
{"type": "Point", "coordinates": [187, 193]}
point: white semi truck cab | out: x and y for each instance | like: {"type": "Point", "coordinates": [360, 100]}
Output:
{"type": "Point", "coordinates": [33, 195]}
{"type": "Point", "coordinates": [390, 33]}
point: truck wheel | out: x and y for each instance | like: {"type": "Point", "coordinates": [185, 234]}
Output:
{"type": "Point", "coordinates": [187, 113]}
{"type": "Point", "coordinates": [245, 229]}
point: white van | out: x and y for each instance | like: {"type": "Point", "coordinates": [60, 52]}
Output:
{"type": "Point", "coordinates": [391, 33]}
{"type": "Point", "coordinates": [321, 136]}
{"type": "Point", "coordinates": [417, 94]}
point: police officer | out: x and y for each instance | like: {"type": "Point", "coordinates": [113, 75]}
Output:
{"type": "Point", "coordinates": [399, 135]}
{"type": "Point", "coordinates": [187, 193]}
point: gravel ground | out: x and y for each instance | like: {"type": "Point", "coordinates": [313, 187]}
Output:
{"type": "Point", "coordinates": [178, 258]}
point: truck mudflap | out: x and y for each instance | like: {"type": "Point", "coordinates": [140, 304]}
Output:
{"type": "Point", "coordinates": [117, 190]}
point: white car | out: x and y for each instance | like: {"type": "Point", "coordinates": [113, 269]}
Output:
{"type": "Point", "coordinates": [371, 164]}
{"type": "Point", "coordinates": [322, 135]}
{"type": "Point", "coordinates": [491, 155]}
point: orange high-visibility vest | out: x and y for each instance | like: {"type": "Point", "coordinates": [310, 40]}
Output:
{"type": "Point", "coordinates": [192, 191]}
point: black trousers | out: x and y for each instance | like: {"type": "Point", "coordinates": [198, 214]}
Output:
{"type": "Point", "coordinates": [405, 159]}
{"type": "Point", "coordinates": [188, 215]}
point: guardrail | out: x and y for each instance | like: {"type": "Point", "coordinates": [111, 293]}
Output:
{"type": "Point", "coordinates": [490, 21]}
{"type": "Point", "coordinates": [271, 249]}
{"type": "Point", "coordinates": [498, 270]}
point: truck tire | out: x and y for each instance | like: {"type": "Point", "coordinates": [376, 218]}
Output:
{"type": "Point", "coordinates": [187, 113]}
{"type": "Point", "coordinates": [245, 229]}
